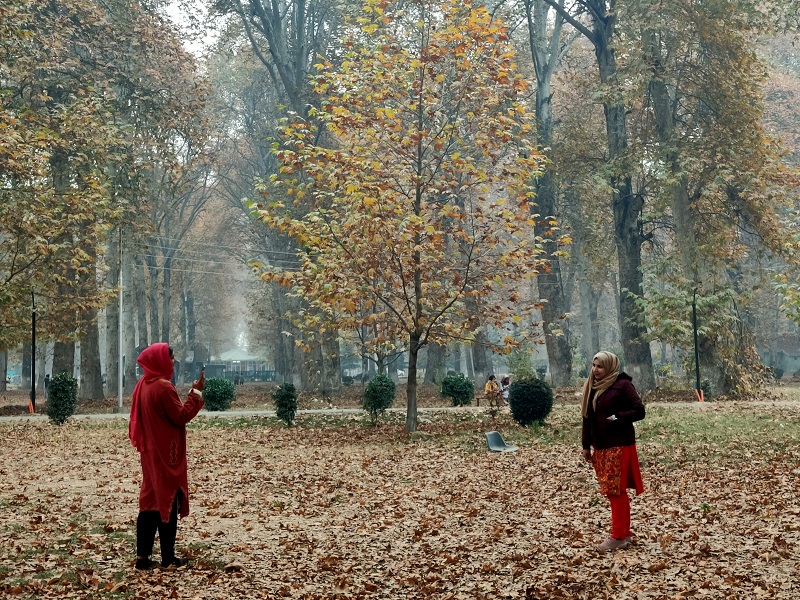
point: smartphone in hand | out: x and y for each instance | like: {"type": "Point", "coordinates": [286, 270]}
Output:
{"type": "Point", "coordinates": [201, 380]}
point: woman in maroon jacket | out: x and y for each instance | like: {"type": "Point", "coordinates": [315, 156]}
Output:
{"type": "Point", "coordinates": [610, 407]}
{"type": "Point", "coordinates": [157, 429]}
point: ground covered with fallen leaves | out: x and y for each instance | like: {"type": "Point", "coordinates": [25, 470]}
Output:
{"type": "Point", "coordinates": [337, 508]}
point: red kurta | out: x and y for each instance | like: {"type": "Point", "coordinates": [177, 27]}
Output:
{"type": "Point", "coordinates": [158, 431]}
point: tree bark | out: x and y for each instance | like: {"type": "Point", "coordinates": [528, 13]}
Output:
{"type": "Point", "coordinates": [152, 299]}
{"type": "Point", "coordinates": [589, 299]}
{"type": "Point", "coordinates": [142, 298]}
{"type": "Point", "coordinates": [434, 368]}
{"type": "Point", "coordinates": [64, 358]}
{"type": "Point", "coordinates": [134, 318]}
{"type": "Point", "coordinates": [470, 364]}
{"type": "Point", "coordinates": [331, 368]}
{"type": "Point", "coordinates": [411, 385]}
{"type": "Point", "coordinates": [546, 54]}
{"type": "Point", "coordinates": [91, 387]}
{"type": "Point", "coordinates": [457, 357]}
{"type": "Point", "coordinates": [112, 313]}
{"type": "Point", "coordinates": [627, 208]}
{"type": "Point", "coordinates": [25, 366]}
{"type": "Point", "coordinates": [480, 360]}
{"type": "Point", "coordinates": [3, 369]}
{"type": "Point", "coordinates": [166, 296]}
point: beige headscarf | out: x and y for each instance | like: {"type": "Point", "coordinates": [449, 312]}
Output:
{"type": "Point", "coordinates": [611, 364]}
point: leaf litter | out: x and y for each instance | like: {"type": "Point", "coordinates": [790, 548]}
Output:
{"type": "Point", "coordinates": [370, 512]}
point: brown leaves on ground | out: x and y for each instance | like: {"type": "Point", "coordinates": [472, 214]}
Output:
{"type": "Point", "coordinates": [327, 511]}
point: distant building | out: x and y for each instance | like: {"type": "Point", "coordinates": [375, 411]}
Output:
{"type": "Point", "coordinates": [238, 365]}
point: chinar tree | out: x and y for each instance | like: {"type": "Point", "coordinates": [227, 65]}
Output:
{"type": "Point", "coordinates": [421, 199]}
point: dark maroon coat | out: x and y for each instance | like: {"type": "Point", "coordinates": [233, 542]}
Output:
{"type": "Point", "coordinates": [622, 400]}
{"type": "Point", "coordinates": [158, 431]}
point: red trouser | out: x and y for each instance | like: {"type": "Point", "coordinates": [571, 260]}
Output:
{"type": "Point", "coordinates": [620, 516]}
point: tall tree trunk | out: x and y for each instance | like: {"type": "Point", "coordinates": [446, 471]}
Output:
{"type": "Point", "coordinates": [152, 300]}
{"type": "Point", "coordinates": [470, 364]}
{"type": "Point", "coordinates": [627, 206]}
{"type": "Point", "coordinates": [546, 53]}
{"type": "Point", "coordinates": [63, 352]}
{"type": "Point", "coordinates": [627, 209]}
{"type": "Point", "coordinates": [91, 387]}
{"type": "Point", "coordinates": [166, 297]}
{"type": "Point", "coordinates": [330, 371]}
{"type": "Point", "coordinates": [64, 358]}
{"type": "Point", "coordinates": [480, 360]}
{"type": "Point", "coordinates": [142, 302]}
{"type": "Point", "coordinates": [287, 356]}
{"type": "Point", "coordinates": [25, 367]}
{"type": "Point", "coordinates": [134, 311]}
{"type": "Point", "coordinates": [434, 368]}
{"type": "Point", "coordinates": [113, 316]}
{"type": "Point", "coordinates": [91, 370]}
{"type": "Point", "coordinates": [457, 357]}
{"type": "Point", "coordinates": [41, 362]}
{"type": "Point", "coordinates": [589, 299]}
{"type": "Point", "coordinates": [411, 385]}
{"type": "Point", "coordinates": [183, 324]}
{"type": "Point", "coordinates": [191, 320]}
{"type": "Point", "coordinates": [556, 327]}
{"type": "Point", "coordinates": [3, 369]}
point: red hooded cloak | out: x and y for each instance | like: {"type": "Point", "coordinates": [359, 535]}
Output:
{"type": "Point", "coordinates": [157, 430]}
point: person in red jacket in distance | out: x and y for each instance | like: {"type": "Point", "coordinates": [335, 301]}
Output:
{"type": "Point", "coordinates": [157, 429]}
{"type": "Point", "coordinates": [610, 406]}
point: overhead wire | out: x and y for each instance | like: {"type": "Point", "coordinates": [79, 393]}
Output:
{"type": "Point", "coordinates": [211, 245]}
{"type": "Point", "coordinates": [278, 262]}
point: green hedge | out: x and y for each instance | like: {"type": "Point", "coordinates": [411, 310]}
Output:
{"type": "Point", "coordinates": [378, 396]}
{"type": "Point", "coordinates": [62, 394]}
{"type": "Point", "coordinates": [285, 397]}
{"type": "Point", "coordinates": [530, 400]}
{"type": "Point", "coordinates": [459, 389]}
{"type": "Point", "coordinates": [218, 393]}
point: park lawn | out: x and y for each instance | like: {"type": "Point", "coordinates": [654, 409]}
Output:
{"type": "Point", "coordinates": [336, 508]}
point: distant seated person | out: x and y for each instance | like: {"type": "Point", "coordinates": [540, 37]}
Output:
{"type": "Point", "coordinates": [492, 390]}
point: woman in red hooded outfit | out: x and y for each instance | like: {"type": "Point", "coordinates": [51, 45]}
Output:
{"type": "Point", "coordinates": [158, 431]}
{"type": "Point", "coordinates": [610, 407]}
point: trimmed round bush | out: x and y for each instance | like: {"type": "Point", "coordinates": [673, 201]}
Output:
{"type": "Point", "coordinates": [218, 393]}
{"type": "Point", "coordinates": [62, 394]}
{"type": "Point", "coordinates": [459, 389]}
{"type": "Point", "coordinates": [378, 396]}
{"type": "Point", "coordinates": [285, 397]}
{"type": "Point", "coordinates": [530, 400]}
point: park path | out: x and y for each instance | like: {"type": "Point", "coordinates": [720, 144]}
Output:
{"type": "Point", "coordinates": [233, 414]}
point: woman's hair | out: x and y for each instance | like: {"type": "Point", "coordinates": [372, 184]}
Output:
{"type": "Point", "coordinates": [492, 377]}
{"type": "Point", "coordinates": [171, 354]}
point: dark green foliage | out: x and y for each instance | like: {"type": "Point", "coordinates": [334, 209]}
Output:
{"type": "Point", "coordinates": [61, 397]}
{"type": "Point", "coordinates": [459, 389]}
{"type": "Point", "coordinates": [378, 396]}
{"type": "Point", "coordinates": [285, 397]}
{"type": "Point", "coordinates": [531, 400]}
{"type": "Point", "coordinates": [218, 393]}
